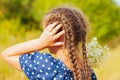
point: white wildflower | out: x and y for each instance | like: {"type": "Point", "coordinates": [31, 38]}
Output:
{"type": "Point", "coordinates": [96, 53]}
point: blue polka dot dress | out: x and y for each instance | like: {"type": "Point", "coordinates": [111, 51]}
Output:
{"type": "Point", "coordinates": [38, 66]}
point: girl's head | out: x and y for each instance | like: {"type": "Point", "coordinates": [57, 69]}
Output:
{"type": "Point", "coordinates": [74, 24]}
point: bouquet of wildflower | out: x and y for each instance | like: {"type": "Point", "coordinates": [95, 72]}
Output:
{"type": "Point", "coordinates": [96, 53]}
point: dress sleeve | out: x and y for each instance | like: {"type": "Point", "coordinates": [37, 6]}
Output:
{"type": "Point", "coordinates": [28, 63]}
{"type": "Point", "coordinates": [37, 65]}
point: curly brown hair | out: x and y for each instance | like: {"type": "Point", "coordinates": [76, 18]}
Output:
{"type": "Point", "coordinates": [75, 24]}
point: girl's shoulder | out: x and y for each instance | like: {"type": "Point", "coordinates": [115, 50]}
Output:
{"type": "Point", "coordinates": [35, 54]}
{"type": "Point", "coordinates": [36, 59]}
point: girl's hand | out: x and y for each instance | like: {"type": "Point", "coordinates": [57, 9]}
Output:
{"type": "Point", "coordinates": [50, 35]}
{"type": "Point", "coordinates": [47, 39]}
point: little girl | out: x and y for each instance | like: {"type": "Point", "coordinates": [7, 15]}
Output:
{"type": "Point", "coordinates": [64, 34]}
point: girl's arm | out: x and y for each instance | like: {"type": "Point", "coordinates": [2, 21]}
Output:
{"type": "Point", "coordinates": [11, 55]}
{"type": "Point", "coordinates": [47, 39]}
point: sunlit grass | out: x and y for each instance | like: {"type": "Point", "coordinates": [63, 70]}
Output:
{"type": "Point", "coordinates": [111, 70]}
{"type": "Point", "coordinates": [9, 35]}
{"type": "Point", "coordinates": [9, 73]}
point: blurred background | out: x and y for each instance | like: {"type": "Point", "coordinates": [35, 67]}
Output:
{"type": "Point", "coordinates": [20, 20]}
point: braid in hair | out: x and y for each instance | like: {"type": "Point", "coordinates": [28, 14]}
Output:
{"type": "Point", "coordinates": [72, 52]}
{"type": "Point", "coordinates": [85, 60]}
{"type": "Point", "coordinates": [83, 23]}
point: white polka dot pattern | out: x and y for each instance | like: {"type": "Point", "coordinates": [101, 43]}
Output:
{"type": "Point", "coordinates": [38, 66]}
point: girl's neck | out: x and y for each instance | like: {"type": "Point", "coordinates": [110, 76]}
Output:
{"type": "Point", "coordinates": [63, 55]}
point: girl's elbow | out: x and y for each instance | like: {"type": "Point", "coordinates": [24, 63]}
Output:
{"type": "Point", "coordinates": [4, 55]}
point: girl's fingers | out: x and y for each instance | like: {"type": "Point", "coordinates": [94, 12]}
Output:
{"type": "Point", "coordinates": [58, 35]}
{"type": "Point", "coordinates": [50, 27]}
{"type": "Point", "coordinates": [56, 28]}
{"type": "Point", "coordinates": [58, 44]}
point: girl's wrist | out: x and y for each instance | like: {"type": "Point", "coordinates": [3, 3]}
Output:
{"type": "Point", "coordinates": [41, 44]}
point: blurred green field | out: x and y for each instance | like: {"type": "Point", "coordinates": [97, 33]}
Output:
{"type": "Point", "coordinates": [20, 20]}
